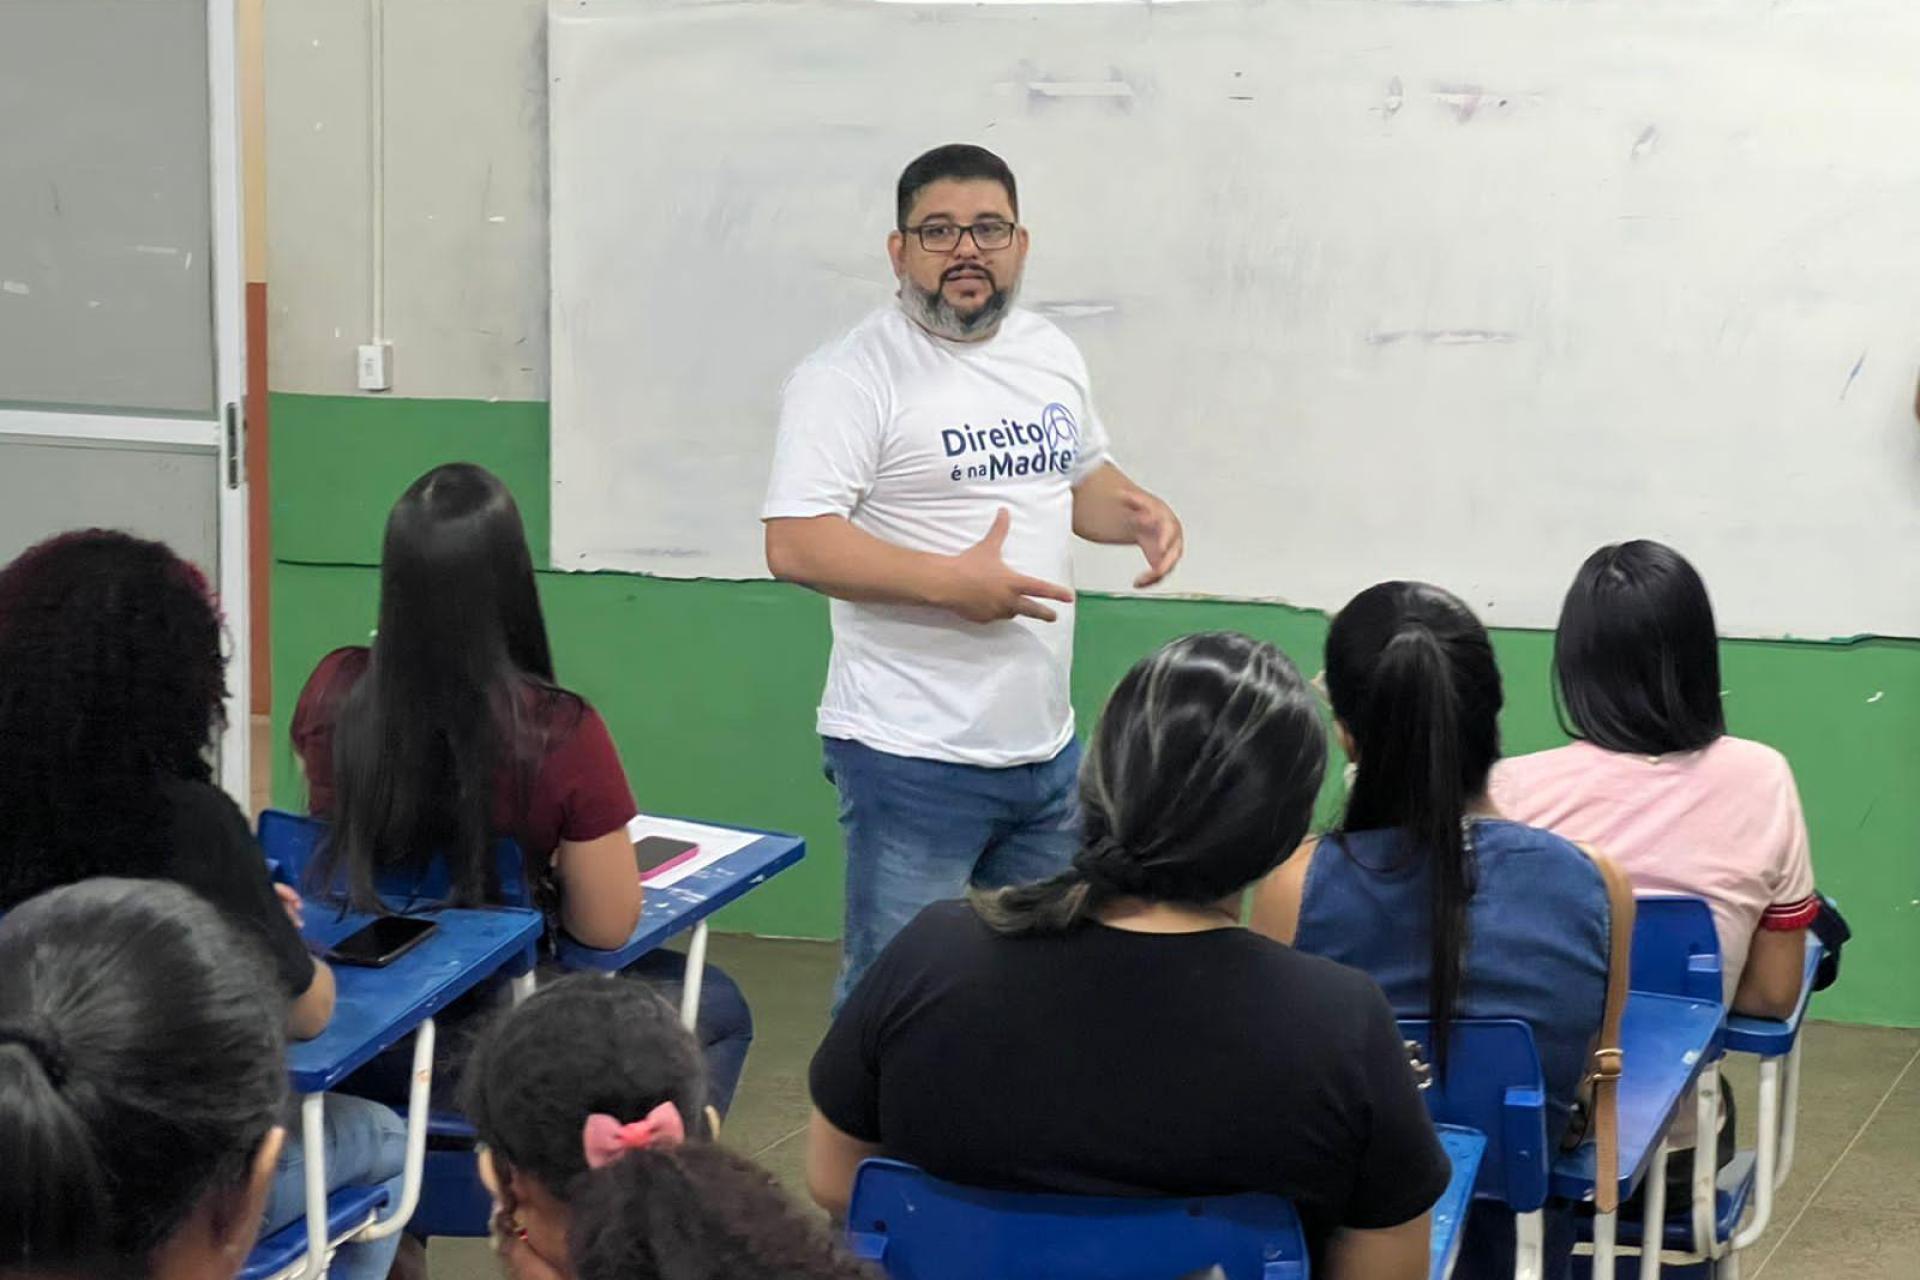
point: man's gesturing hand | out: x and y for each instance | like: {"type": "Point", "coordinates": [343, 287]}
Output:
{"type": "Point", "coordinates": [981, 588]}
{"type": "Point", "coordinates": [1157, 532]}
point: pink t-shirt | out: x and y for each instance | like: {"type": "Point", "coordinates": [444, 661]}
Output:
{"type": "Point", "coordinates": [1722, 823]}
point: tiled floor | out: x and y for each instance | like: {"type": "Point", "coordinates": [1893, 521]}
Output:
{"type": "Point", "coordinates": [1850, 1209]}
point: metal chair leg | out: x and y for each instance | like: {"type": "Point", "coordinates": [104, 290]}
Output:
{"type": "Point", "coordinates": [1529, 1252]}
{"type": "Point", "coordinates": [696, 973]}
{"type": "Point", "coordinates": [419, 1098]}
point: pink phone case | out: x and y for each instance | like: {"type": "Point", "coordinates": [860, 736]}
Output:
{"type": "Point", "coordinates": [670, 863]}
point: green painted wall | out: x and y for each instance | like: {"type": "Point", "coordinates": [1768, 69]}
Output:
{"type": "Point", "coordinates": [709, 687]}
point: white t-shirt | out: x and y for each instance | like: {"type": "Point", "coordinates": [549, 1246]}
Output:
{"type": "Point", "coordinates": [920, 441]}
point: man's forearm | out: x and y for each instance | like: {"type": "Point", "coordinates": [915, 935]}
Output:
{"type": "Point", "coordinates": [1098, 513]}
{"type": "Point", "coordinates": [829, 555]}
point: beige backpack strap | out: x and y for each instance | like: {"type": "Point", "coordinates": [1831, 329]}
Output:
{"type": "Point", "coordinates": [1603, 1069]}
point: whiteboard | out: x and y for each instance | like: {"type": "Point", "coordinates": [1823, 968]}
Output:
{"type": "Point", "coordinates": [1368, 290]}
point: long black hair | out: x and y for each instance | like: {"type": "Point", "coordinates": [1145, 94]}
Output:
{"type": "Point", "coordinates": [1412, 677]}
{"type": "Point", "coordinates": [111, 680]}
{"type": "Point", "coordinates": [458, 696]}
{"type": "Point", "coordinates": [692, 1212]}
{"type": "Point", "coordinates": [1200, 779]}
{"type": "Point", "coordinates": [141, 1066]}
{"type": "Point", "coordinates": [1636, 657]}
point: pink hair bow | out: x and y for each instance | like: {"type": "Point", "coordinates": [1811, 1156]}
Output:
{"type": "Point", "coordinates": [605, 1139]}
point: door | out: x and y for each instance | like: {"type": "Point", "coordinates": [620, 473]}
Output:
{"type": "Point", "coordinates": [121, 293]}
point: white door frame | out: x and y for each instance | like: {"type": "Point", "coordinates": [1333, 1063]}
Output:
{"type": "Point", "coordinates": [224, 435]}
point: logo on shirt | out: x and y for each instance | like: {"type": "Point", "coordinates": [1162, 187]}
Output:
{"type": "Point", "coordinates": [1013, 448]}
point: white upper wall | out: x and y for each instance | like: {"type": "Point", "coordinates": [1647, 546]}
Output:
{"type": "Point", "coordinates": [466, 204]}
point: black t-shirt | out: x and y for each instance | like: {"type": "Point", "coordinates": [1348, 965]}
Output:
{"type": "Point", "coordinates": [1107, 1062]}
{"type": "Point", "coordinates": [213, 853]}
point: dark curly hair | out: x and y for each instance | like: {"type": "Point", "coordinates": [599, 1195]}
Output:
{"type": "Point", "coordinates": [695, 1212]}
{"type": "Point", "coordinates": [111, 680]}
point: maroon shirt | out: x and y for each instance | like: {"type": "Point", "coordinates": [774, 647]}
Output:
{"type": "Point", "coordinates": [579, 792]}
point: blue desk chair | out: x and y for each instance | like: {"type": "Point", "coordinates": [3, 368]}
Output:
{"type": "Point", "coordinates": [920, 1228]}
{"type": "Point", "coordinates": [283, 1255]}
{"type": "Point", "coordinates": [292, 841]}
{"type": "Point", "coordinates": [452, 1200]}
{"type": "Point", "coordinates": [1676, 951]}
{"type": "Point", "coordinates": [1495, 1086]}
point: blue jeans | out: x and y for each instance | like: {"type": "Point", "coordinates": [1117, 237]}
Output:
{"type": "Point", "coordinates": [921, 831]}
{"type": "Point", "coordinates": [366, 1145]}
{"type": "Point", "coordinates": [723, 1026]}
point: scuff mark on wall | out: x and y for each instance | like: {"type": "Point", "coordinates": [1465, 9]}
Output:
{"type": "Point", "coordinates": [1440, 337]}
{"type": "Point", "coordinates": [1851, 375]}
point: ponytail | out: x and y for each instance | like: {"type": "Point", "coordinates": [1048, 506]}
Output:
{"type": "Point", "coordinates": [1412, 677]}
{"type": "Point", "coordinates": [1051, 906]}
{"type": "Point", "coordinates": [1411, 725]}
{"type": "Point", "coordinates": [695, 1212]}
{"type": "Point", "coordinates": [52, 1199]}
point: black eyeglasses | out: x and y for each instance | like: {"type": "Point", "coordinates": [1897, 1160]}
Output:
{"type": "Point", "coordinates": [944, 237]}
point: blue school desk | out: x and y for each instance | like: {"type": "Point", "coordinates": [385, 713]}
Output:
{"type": "Point", "coordinates": [673, 909]}
{"type": "Point", "coordinates": [456, 1204]}
{"type": "Point", "coordinates": [291, 841]}
{"type": "Point", "coordinates": [375, 1009]}
{"type": "Point", "coordinates": [1465, 1149]}
{"type": "Point", "coordinates": [1667, 1042]}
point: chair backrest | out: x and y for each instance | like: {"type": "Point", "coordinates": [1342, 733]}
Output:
{"type": "Point", "coordinates": [292, 841]}
{"type": "Point", "coordinates": [1676, 951]}
{"type": "Point", "coordinates": [920, 1228]}
{"type": "Point", "coordinates": [1494, 1084]}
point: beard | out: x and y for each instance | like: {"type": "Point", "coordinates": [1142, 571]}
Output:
{"type": "Point", "coordinates": [931, 311]}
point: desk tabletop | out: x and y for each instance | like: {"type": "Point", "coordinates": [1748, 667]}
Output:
{"type": "Point", "coordinates": [1465, 1148]}
{"type": "Point", "coordinates": [377, 1008]}
{"type": "Point", "coordinates": [1667, 1042]}
{"type": "Point", "coordinates": [678, 907]}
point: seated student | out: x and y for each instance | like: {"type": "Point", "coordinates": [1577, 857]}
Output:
{"type": "Point", "coordinates": [110, 685]}
{"type": "Point", "coordinates": [1655, 779]}
{"type": "Point", "coordinates": [1454, 911]}
{"type": "Point", "coordinates": [450, 731]}
{"type": "Point", "coordinates": [1114, 1030]}
{"type": "Point", "coordinates": [142, 1073]}
{"type": "Point", "coordinates": [598, 1160]}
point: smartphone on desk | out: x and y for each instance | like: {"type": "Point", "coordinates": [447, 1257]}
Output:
{"type": "Point", "coordinates": [654, 854]}
{"type": "Point", "coordinates": [380, 942]}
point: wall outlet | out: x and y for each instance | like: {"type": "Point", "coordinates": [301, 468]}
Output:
{"type": "Point", "coordinates": [375, 366]}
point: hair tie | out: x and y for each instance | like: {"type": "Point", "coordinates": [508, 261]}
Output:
{"type": "Point", "coordinates": [1108, 864]}
{"type": "Point", "coordinates": [43, 1051]}
{"type": "Point", "coordinates": [604, 1139]}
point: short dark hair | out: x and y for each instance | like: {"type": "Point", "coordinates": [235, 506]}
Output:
{"type": "Point", "coordinates": [961, 161]}
{"type": "Point", "coordinates": [1636, 657]}
{"type": "Point", "coordinates": [141, 1067]}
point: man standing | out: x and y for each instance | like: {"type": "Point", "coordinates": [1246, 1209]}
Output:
{"type": "Point", "coordinates": [932, 468]}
